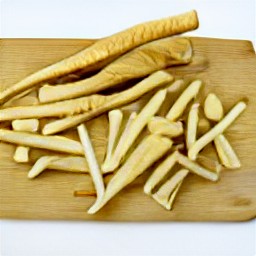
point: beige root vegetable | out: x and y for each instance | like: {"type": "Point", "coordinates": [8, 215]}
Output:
{"type": "Point", "coordinates": [192, 125]}
{"type": "Point", "coordinates": [216, 130]}
{"type": "Point", "coordinates": [162, 170]}
{"type": "Point", "coordinates": [92, 105]}
{"type": "Point", "coordinates": [26, 125]}
{"type": "Point", "coordinates": [55, 143]}
{"type": "Point", "coordinates": [21, 154]}
{"type": "Point", "coordinates": [115, 120]}
{"type": "Point", "coordinates": [213, 108]}
{"type": "Point", "coordinates": [92, 161]}
{"type": "Point", "coordinates": [40, 165]}
{"type": "Point", "coordinates": [137, 63]}
{"type": "Point", "coordinates": [163, 126]}
{"type": "Point", "coordinates": [226, 153]}
{"type": "Point", "coordinates": [136, 128]}
{"type": "Point", "coordinates": [106, 49]}
{"type": "Point", "coordinates": [141, 158]}
{"type": "Point", "coordinates": [104, 167]}
{"type": "Point", "coordinates": [180, 105]}
{"type": "Point", "coordinates": [154, 81]}
{"type": "Point", "coordinates": [168, 191]}
{"type": "Point", "coordinates": [203, 126]}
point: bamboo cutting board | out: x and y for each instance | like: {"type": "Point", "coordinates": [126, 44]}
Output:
{"type": "Point", "coordinates": [228, 68]}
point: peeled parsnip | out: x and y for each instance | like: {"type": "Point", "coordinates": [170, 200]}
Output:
{"type": "Point", "coordinates": [141, 158]}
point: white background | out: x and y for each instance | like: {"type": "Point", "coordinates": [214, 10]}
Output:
{"type": "Point", "coordinates": [91, 19]}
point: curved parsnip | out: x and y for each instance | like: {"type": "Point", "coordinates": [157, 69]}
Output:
{"type": "Point", "coordinates": [141, 158]}
{"type": "Point", "coordinates": [181, 103]}
{"type": "Point", "coordinates": [106, 49]}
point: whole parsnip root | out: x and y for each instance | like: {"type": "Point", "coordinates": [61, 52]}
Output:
{"type": "Point", "coordinates": [154, 81]}
{"type": "Point", "coordinates": [141, 158]}
{"type": "Point", "coordinates": [216, 130]}
{"type": "Point", "coordinates": [181, 103]}
{"type": "Point", "coordinates": [226, 153]}
{"type": "Point", "coordinates": [163, 126]}
{"type": "Point", "coordinates": [55, 143]}
{"type": "Point", "coordinates": [92, 161]}
{"type": "Point", "coordinates": [213, 108]}
{"type": "Point", "coordinates": [167, 192]}
{"type": "Point", "coordinates": [104, 167]}
{"type": "Point", "coordinates": [104, 50]}
{"type": "Point", "coordinates": [26, 125]}
{"type": "Point", "coordinates": [136, 128]}
{"type": "Point", "coordinates": [115, 118]}
{"type": "Point", "coordinates": [137, 63]}
{"type": "Point", "coordinates": [192, 125]}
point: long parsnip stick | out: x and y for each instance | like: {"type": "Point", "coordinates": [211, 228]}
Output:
{"type": "Point", "coordinates": [104, 50]}
{"type": "Point", "coordinates": [142, 158]}
{"type": "Point", "coordinates": [154, 81]}
{"type": "Point", "coordinates": [55, 143]}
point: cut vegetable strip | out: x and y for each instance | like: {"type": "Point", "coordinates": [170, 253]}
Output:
{"type": "Point", "coordinates": [154, 81]}
{"type": "Point", "coordinates": [137, 63]}
{"type": "Point", "coordinates": [216, 130]}
{"type": "Point", "coordinates": [141, 158]}
{"type": "Point", "coordinates": [115, 120]}
{"type": "Point", "coordinates": [167, 192]}
{"type": "Point", "coordinates": [105, 166]}
{"type": "Point", "coordinates": [104, 50]}
{"type": "Point", "coordinates": [226, 153]}
{"type": "Point", "coordinates": [28, 125]}
{"type": "Point", "coordinates": [92, 161]}
{"type": "Point", "coordinates": [40, 165]}
{"type": "Point", "coordinates": [136, 127]}
{"type": "Point", "coordinates": [192, 125]}
{"type": "Point", "coordinates": [213, 108]}
{"type": "Point", "coordinates": [21, 154]}
{"type": "Point", "coordinates": [55, 143]}
{"type": "Point", "coordinates": [180, 105]}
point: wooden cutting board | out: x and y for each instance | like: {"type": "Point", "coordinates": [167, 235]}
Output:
{"type": "Point", "coordinates": [228, 68]}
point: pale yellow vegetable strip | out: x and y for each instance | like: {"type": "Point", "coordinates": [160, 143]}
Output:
{"type": "Point", "coordinates": [226, 153]}
{"type": "Point", "coordinates": [55, 143]}
{"type": "Point", "coordinates": [196, 168]}
{"type": "Point", "coordinates": [26, 125]}
{"type": "Point", "coordinates": [180, 105]}
{"type": "Point", "coordinates": [92, 161]}
{"type": "Point", "coordinates": [21, 154]}
{"type": "Point", "coordinates": [137, 63]}
{"type": "Point", "coordinates": [163, 195]}
{"type": "Point", "coordinates": [115, 118]}
{"type": "Point", "coordinates": [40, 165]}
{"type": "Point", "coordinates": [213, 108]}
{"type": "Point", "coordinates": [192, 125]}
{"type": "Point", "coordinates": [163, 126]}
{"type": "Point", "coordinates": [137, 126]}
{"type": "Point", "coordinates": [216, 130]}
{"type": "Point", "coordinates": [105, 166]}
{"type": "Point", "coordinates": [141, 159]}
{"type": "Point", "coordinates": [104, 50]}
{"type": "Point", "coordinates": [152, 82]}
{"type": "Point", "coordinates": [160, 172]}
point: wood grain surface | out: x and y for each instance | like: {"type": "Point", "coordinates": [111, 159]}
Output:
{"type": "Point", "coordinates": [228, 68]}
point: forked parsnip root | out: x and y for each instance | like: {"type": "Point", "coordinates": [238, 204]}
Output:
{"type": "Point", "coordinates": [105, 167]}
{"type": "Point", "coordinates": [213, 108]}
{"type": "Point", "coordinates": [162, 126]}
{"type": "Point", "coordinates": [92, 161]}
{"type": "Point", "coordinates": [105, 50]}
{"type": "Point", "coordinates": [218, 129]}
{"type": "Point", "coordinates": [192, 125]}
{"type": "Point", "coordinates": [168, 191]}
{"type": "Point", "coordinates": [141, 159]}
{"type": "Point", "coordinates": [226, 153]}
{"type": "Point", "coordinates": [136, 128]}
{"type": "Point", "coordinates": [152, 82]}
{"type": "Point", "coordinates": [181, 103]}
{"type": "Point", "coordinates": [115, 118]}
{"type": "Point", "coordinates": [55, 143]}
{"type": "Point", "coordinates": [137, 63]}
